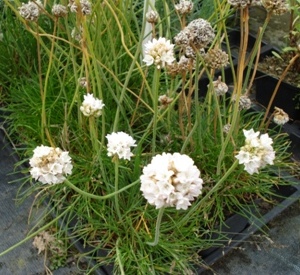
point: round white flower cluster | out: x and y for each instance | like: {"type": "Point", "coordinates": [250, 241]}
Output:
{"type": "Point", "coordinates": [91, 106]}
{"type": "Point", "coordinates": [31, 10]}
{"type": "Point", "coordinates": [171, 180]}
{"type": "Point", "coordinates": [257, 151]}
{"type": "Point", "coordinates": [119, 144]}
{"type": "Point", "coordinates": [159, 52]}
{"type": "Point", "coordinates": [50, 165]}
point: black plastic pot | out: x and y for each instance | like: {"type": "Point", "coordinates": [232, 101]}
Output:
{"type": "Point", "coordinates": [238, 228]}
{"type": "Point", "coordinates": [287, 96]}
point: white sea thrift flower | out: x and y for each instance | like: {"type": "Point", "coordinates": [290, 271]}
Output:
{"type": "Point", "coordinates": [257, 151]}
{"type": "Point", "coordinates": [159, 52]}
{"type": "Point", "coordinates": [91, 106]}
{"type": "Point", "coordinates": [119, 144]}
{"type": "Point", "coordinates": [280, 116]}
{"type": "Point", "coordinates": [30, 11]}
{"type": "Point", "coordinates": [171, 180]}
{"type": "Point", "coordinates": [50, 165]}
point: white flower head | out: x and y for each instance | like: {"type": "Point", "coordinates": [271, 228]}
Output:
{"type": "Point", "coordinates": [30, 11]}
{"type": "Point", "coordinates": [257, 151]}
{"type": "Point", "coordinates": [91, 106]}
{"type": "Point", "coordinates": [119, 145]}
{"type": "Point", "coordinates": [159, 52]}
{"type": "Point", "coordinates": [171, 180]}
{"type": "Point", "coordinates": [50, 165]}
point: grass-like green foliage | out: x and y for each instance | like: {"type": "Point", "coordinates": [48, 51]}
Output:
{"type": "Point", "coordinates": [43, 97]}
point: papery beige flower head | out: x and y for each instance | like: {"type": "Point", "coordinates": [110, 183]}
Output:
{"type": "Point", "coordinates": [226, 128]}
{"type": "Point", "coordinates": [220, 87]}
{"type": "Point", "coordinates": [164, 100]}
{"type": "Point", "coordinates": [31, 10]}
{"type": "Point", "coordinates": [83, 82]}
{"type": "Point", "coordinates": [182, 66]}
{"type": "Point", "coordinates": [184, 7]}
{"type": "Point", "coordinates": [216, 59]}
{"type": "Point", "coordinates": [244, 3]}
{"type": "Point", "coordinates": [85, 6]}
{"type": "Point", "coordinates": [280, 117]}
{"type": "Point", "coordinates": [77, 34]}
{"type": "Point", "coordinates": [244, 102]}
{"type": "Point", "coordinates": [277, 7]}
{"type": "Point", "coordinates": [152, 17]}
{"type": "Point", "coordinates": [59, 10]}
{"type": "Point", "coordinates": [185, 64]}
{"type": "Point", "coordinates": [197, 34]}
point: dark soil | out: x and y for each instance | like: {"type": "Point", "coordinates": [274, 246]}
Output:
{"type": "Point", "coordinates": [276, 64]}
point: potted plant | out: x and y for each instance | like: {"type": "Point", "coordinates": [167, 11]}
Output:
{"type": "Point", "coordinates": [131, 160]}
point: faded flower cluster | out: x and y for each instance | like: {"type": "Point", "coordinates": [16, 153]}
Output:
{"type": "Point", "coordinates": [277, 7]}
{"type": "Point", "coordinates": [152, 17]}
{"type": "Point", "coordinates": [280, 116]}
{"type": "Point", "coordinates": [244, 3]}
{"type": "Point", "coordinates": [184, 7]}
{"type": "Point", "coordinates": [85, 5]}
{"type": "Point", "coordinates": [216, 59]}
{"type": "Point", "coordinates": [171, 180]}
{"type": "Point", "coordinates": [59, 10]}
{"type": "Point", "coordinates": [220, 88]}
{"type": "Point", "coordinates": [198, 33]}
{"type": "Point", "coordinates": [244, 102]}
{"type": "Point", "coordinates": [159, 52]}
{"type": "Point", "coordinates": [31, 10]}
{"type": "Point", "coordinates": [91, 106]}
{"type": "Point", "coordinates": [119, 145]}
{"type": "Point", "coordinates": [257, 151]}
{"type": "Point", "coordinates": [50, 165]}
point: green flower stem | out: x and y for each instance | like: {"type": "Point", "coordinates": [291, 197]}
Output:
{"type": "Point", "coordinates": [155, 88]}
{"type": "Point", "coordinates": [117, 187]}
{"type": "Point", "coordinates": [94, 133]}
{"type": "Point", "coordinates": [92, 196]}
{"type": "Point", "coordinates": [70, 207]}
{"type": "Point", "coordinates": [157, 227]}
{"type": "Point", "coordinates": [219, 183]}
{"type": "Point", "coordinates": [119, 258]}
{"type": "Point", "coordinates": [188, 214]}
{"type": "Point", "coordinates": [44, 93]}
